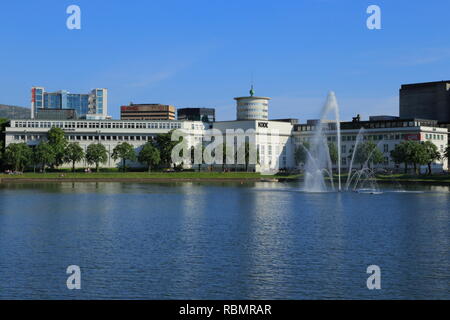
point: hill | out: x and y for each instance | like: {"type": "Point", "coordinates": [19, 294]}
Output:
{"type": "Point", "coordinates": [14, 112]}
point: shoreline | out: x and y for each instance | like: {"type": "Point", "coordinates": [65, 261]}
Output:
{"type": "Point", "coordinates": [18, 179]}
{"type": "Point", "coordinates": [168, 180]}
{"type": "Point", "coordinates": [141, 177]}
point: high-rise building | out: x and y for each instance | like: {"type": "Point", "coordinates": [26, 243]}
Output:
{"type": "Point", "coordinates": [429, 100]}
{"type": "Point", "coordinates": [93, 105]}
{"type": "Point", "coordinates": [197, 114]}
{"type": "Point", "coordinates": [252, 108]}
{"type": "Point", "coordinates": [147, 112]}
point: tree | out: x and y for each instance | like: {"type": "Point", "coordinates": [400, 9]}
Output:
{"type": "Point", "coordinates": [246, 149]}
{"type": "Point", "coordinates": [3, 123]}
{"type": "Point", "coordinates": [18, 155]}
{"type": "Point", "coordinates": [400, 154]}
{"type": "Point", "coordinates": [43, 155]}
{"type": "Point", "coordinates": [95, 154]}
{"type": "Point", "coordinates": [447, 153]}
{"type": "Point", "coordinates": [58, 142]}
{"type": "Point", "coordinates": [73, 153]}
{"type": "Point", "coordinates": [301, 153]}
{"type": "Point", "coordinates": [198, 148]}
{"type": "Point", "coordinates": [368, 152]}
{"type": "Point", "coordinates": [431, 154]}
{"type": "Point", "coordinates": [224, 155]}
{"type": "Point", "coordinates": [417, 154]}
{"type": "Point", "coordinates": [333, 151]}
{"type": "Point", "coordinates": [149, 155]}
{"type": "Point", "coordinates": [164, 144]}
{"type": "Point", "coordinates": [124, 151]}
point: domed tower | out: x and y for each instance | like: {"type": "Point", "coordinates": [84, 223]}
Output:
{"type": "Point", "coordinates": [252, 107]}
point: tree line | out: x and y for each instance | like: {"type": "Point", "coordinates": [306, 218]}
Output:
{"type": "Point", "coordinates": [367, 154]}
{"type": "Point", "coordinates": [57, 150]}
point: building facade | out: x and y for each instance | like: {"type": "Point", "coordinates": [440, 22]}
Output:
{"type": "Point", "coordinates": [275, 141]}
{"type": "Point", "coordinates": [197, 114]}
{"type": "Point", "coordinates": [386, 134]}
{"type": "Point", "coordinates": [430, 100]}
{"type": "Point", "coordinates": [147, 112]}
{"type": "Point", "coordinates": [93, 105]}
{"type": "Point", "coordinates": [107, 132]}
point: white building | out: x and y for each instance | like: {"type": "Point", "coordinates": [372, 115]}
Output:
{"type": "Point", "coordinates": [275, 140]}
{"type": "Point", "coordinates": [386, 134]}
{"type": "Point", "coordinates": [107, 132]}
{"type": "Point", "coordinates": [252, 108]}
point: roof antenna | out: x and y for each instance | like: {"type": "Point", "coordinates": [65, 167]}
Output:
{"type": "Point", "coordinates": [252, 91]}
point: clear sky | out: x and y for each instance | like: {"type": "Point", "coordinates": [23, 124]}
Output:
{"type": "Point", "coordinates": [203, 53]}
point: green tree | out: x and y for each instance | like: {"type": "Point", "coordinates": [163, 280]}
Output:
{"type": "Point", "coordinates": [447, 153]}
{"type": "Point", "coordinates": [3, 123]}
{"type": "Point", "coordinates": [58, 142]}
{"type": "Point", "coordinates": [95, 154]}
{"type": "Point", "coordinates": [164, 144]}
{"type": "Point", "coordinates": [400, 154]}
{"type": "Point", "coordinates": [124, 151]}
{"type": "Point", "coordinates": [368, 152]}
{"type": "Point", "coordinates": [149, 155]}
{"type": "Point", "coordinates": [301, 153]}
{"type": "Point", "coordinates": [43, 155]}
{"type": "Point", "coordinates": [202, 147]}
{"type": "Point", "coordinates": [245, 149]}
{"type": "Point", "coordinates": [332, 149]}
{"type": "Point", "coordinates": [417, 154]}
{"type": "Point", "coordinates": [432, 154]}
{"type": "Point", "coordinates": [73, 153]}
{"type": "Point", "coordinates": [18, 155]}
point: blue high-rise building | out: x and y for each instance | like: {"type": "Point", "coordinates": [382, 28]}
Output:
{"type": "Point", "coordinates": [93, 105]}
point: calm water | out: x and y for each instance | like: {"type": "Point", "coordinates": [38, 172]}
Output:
{"type": "Point", "coordinates": [222, 241]}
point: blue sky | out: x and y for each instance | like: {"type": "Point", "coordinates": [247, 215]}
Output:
{"type": "Point", "coordinates": [203, 53]}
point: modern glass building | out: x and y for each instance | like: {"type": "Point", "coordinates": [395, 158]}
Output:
{"type": "Point", "coordinates": [93, 105]}
{"type": "Point", "coordinates": [197, 114]}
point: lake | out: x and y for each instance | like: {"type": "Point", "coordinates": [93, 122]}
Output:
{"type": "Point", "coordinates": [258, 240]}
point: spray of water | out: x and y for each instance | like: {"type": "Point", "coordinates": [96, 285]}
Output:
{"type": "Point", "coordinates": [319, 161]}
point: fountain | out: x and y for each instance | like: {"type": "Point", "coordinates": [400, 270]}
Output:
{"type": "Point", "coordinates": [319, 166]}
{"type": "Point", "coordinates": [318, 163]}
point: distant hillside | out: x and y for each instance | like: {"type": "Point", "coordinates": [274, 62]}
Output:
{"type": "Point", "coordinates": [14, 112]}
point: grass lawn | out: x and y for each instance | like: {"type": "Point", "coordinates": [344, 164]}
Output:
{"type": "Point", "coordinates": [419, 178]}
{"type": "Point", "coordinates": [443, 178]}
{"type": "Point", "coordinates": [144, 175]}
{"type": "Point", "coordinates": [206, 176]}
